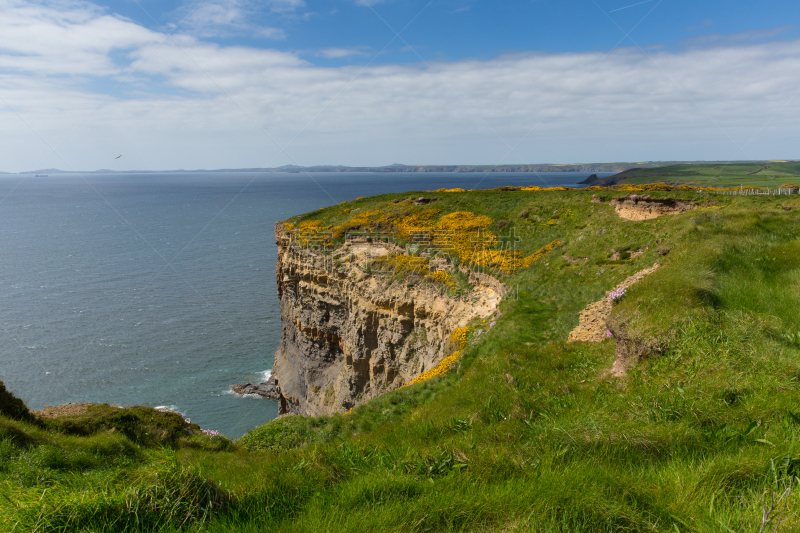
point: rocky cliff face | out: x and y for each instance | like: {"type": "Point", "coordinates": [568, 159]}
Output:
{"type": "Point", "coordinates": [348, 336]}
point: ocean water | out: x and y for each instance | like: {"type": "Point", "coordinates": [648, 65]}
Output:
{"type": "Point", "coordinates": [159, 289]}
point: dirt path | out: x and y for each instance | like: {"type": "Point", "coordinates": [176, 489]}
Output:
{"type": "Point", "coordinates": [592, 322]}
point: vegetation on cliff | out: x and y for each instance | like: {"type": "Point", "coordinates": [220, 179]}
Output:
{"type": "Point", "coordinates": [770, 174]}
{"type": "Point", "coordinates": [526, 432]}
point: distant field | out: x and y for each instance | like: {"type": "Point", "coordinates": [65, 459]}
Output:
{"type": "Point", "coordinates": [768, 174]}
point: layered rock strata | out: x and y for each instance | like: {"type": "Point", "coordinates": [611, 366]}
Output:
{"type": "Point", "coordinates": [349, 334]}
{"type": "Point", "coordinates": [649, 208]}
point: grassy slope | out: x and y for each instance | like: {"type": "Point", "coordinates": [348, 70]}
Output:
{"type": "Point", "coordinates": [720, 175]}
{"type": "Point", "coordinates": [526, 434]}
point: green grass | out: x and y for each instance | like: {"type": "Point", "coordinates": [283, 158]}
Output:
{"type": "Point", "coordinates": [526, 434]}
{"type": "Point", "coordinates": [719, 175]}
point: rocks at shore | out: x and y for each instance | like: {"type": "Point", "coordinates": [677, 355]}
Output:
{"type": "Point", "coordinates": [267, 389]}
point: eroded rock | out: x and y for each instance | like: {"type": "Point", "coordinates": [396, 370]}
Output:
{"type": "Point", "coordinates": [348, 336]}
{"type": "Point", "coordinates": [637, 208]}
{"type": "Point", "coordinates": [267, 389]}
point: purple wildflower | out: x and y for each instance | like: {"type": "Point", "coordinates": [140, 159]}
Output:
{"type": "Point", "coordinates": [616, 295]}
{"type": "Point", "coordinates": [634, 197]}
{"type": "Point", "coordinates": [609, 334]}
{"type": "Point", "coordinates": [211, 433]}
{"type": "Point", "coordinates": [492, 324]}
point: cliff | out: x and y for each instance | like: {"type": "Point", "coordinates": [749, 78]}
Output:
{"type": "Point", "coordinates": [348, 336]}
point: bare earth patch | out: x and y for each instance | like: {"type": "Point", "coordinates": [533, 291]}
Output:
{"type": "Point", "coordinates": [649, 208]}
{"type": "Point", "coordinates": [67, 409]}
{"type": "Point", "coordinates": [592, 322]}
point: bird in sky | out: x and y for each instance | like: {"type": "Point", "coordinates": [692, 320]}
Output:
{"type": "Point", "coordinates": [118, 157]}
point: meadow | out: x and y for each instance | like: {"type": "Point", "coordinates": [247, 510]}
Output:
{"type": "Point", "coordinates": [526, 432]}
{"type": "Point", "coordinates": [771, 174]}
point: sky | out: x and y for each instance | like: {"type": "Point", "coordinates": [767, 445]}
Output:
{"type": "Point", "coordinates": [171, 84]}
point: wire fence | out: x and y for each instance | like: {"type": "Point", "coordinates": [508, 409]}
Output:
{"type": "Point", "coordinates": [751, 191]}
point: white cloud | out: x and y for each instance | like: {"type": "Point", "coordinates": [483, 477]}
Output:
{"type": "Point", "coordinates": [336, 53]}
{"type": "Point", "coordinates": [174, 112]}
{"type": "Point", "coordinates": [284, 6]}
{"type": "Point", "coordinates": [721, 39]}
{"type": "Point", "coordinates": [40, 39]}
{"type": "Point", "coordinates": [224, 18]}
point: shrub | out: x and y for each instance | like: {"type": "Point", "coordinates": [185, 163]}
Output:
{"type": "Point", "coordinates": [142, 425]}
{"type": "Point", "coordinates": [12, 407]}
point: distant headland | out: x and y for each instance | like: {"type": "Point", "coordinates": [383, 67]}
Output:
{"type": "Point", "coordinates": [544, 167]}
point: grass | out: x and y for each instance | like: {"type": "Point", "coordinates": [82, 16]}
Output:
{"type": "Point", "coordinates": [526, 434]}
{"type": "Point", "coordinates": [720, 175]}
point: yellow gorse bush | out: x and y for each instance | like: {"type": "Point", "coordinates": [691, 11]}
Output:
{"type": "Point", "coordinates": [438, 370]}
{"type": "Point", "coordinates": [535, 188]}
{"type": "Point", "coordinates": [399, 265]}
{"type": "Point", "coordinates": [509, 261]}
{"type": "Point", "coordinates": [443, 277]}
{"type": "Point", "coordinates": [462, 235]}
{"type": "Point", "coordinates": [415, 223]}
{"type": "Point", "coordinates": [463, 221]}
{"type": "Point", "coordinates": [458, 338]}
{"type": "Point", "coordinates": [309, 232]}
{"type": "Point", "coordinates": [538, 254]}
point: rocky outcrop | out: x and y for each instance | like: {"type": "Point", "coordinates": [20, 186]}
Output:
{"type": "Point", "coordinates": [267, 389]}
{"type": "Point", "coordinates": [638, 208]}
{"type": "Point", "coordinates": [348, 336]}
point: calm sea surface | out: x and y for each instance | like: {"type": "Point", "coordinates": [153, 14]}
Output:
{"type": "Point", "coordinates": [159, 289]}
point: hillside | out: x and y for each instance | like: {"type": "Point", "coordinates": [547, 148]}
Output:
{"type": "Point", "coordinates": [674, 408]}
{"type": "Point", "coordinates": [771, 174]}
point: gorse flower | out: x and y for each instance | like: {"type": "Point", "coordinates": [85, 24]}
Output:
{"type": "Point", "coordinates": [460, 235]}
{"type": "Point", "coordinates": [438, 370]}
{"type": "Point", "coordinates": [441, 276]}
{"type": "Point", "coordinates": [457, 338]}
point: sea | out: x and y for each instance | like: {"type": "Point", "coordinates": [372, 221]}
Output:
{"type": "Point", "coordinates": [158, 289]}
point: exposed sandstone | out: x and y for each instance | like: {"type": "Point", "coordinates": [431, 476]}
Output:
{"type": "Point", "coordinates": [648, 208]}
{"type": "Point", "coordinates": [348, 336]}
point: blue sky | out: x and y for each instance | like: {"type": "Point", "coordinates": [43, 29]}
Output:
{"type": "Point", "coordinates": [239, 83]}
{"type": "Point", "coordinates": [458, 29]}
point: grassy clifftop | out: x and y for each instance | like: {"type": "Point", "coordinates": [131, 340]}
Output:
{"type": "Point", "coordinates": [770, 174]}
{"type": "Point", "coordinates": [526, 432]}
